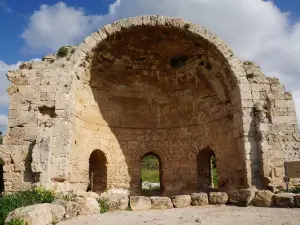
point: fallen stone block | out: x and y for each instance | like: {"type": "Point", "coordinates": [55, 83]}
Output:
{"type": "Point", "coordinates": [263, 198]}
{"type": "Point", "coordinates": [40, 214]}
{"type": "Point", "coordinates": [140, 203]}
{"type": "Point", "coordinates": [72, 208]}
{"type": "Point", "coordinates": [199, 199]}
{"type": "Point", "coordinates": [181, 201]}
{"type": "Point", "coordinates": [217, 198]}
{"type": "Point", "coordinates": [115, 201]}
{"type": "Point", "coordinates": [242, 197]}
{"type": "Point", "coordinates": [87, 206]}
{"type": "Point", "coordinates": [161, 203]}
{"type": "Point", "coordinates": [284, 200]}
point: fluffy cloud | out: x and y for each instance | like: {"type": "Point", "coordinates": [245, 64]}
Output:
{"type": "Point", "coordinates": [257, 30]}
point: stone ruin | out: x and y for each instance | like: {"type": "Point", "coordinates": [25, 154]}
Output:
{"type": "Point", "coordinates": [147, 85]}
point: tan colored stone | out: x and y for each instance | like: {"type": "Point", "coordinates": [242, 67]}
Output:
{"type": "Point", "coordinates": [199, 199]}
{"type": "Point", "coordinates": [115, 201]}
{"type": "Point", "coordinates": [41, 214]}
{"type": "Point", "coordinates": [263, 198]}
{"type": "Point", "coordinates": [87, 206]}
{"type": "Point", "coordinates": [140, 203]}
{"type": "Point", "coordinates": [284, 200]}
{"type": "Point", "coordinates": [241, 197]}
{"type": "Point", "coordinates": [217, 198]}
{"type": "Point", "coordinates": [71, 208]}
{"type": "Point", "coordinates": [161, 203]}
{"type": "Point", "coordinates": [181, 201]}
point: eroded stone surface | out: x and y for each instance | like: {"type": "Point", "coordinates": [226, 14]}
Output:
{"type": "Point", "coordinates": [41, 214]}
{"type": "Point", "coordinates": [217, 198]}
{"type": "Point", "coordinates": [140, 203]}
{"type": "Point", "coordinates": [87, 206]}
{"type": "Point", "coordinates": [284, 200]}
{"type": "Point", "coordinates": [141, 85]}
{"type": "Point", "coordinates": [263, 198]}
{"type": "Point", "coordinates": [115, 201]}
{"type": "Point", "coordinates": [180, 201]}
{"type": "Point", "coordinates": [71, 208]}
{"type": "Point", "coordinates": [199, 199]}
{"type": "Point", "coordinates": [161, 203]}
{"type": "Point", "coordinates": [241, 197]}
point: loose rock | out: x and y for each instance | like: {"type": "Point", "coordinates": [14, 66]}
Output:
{"type": "Point", "coordinates": [241, 197]}
{"type": "Point", "coordinates": [40, 214]}
{"type": "Point", "coordinates": [263, 199]}
{"type": "Point", "coordinates": [72, 208]}
{"type": "Point", "coordinates": [181, 201]}
{"type": "Point", "coordinates": [161, 203]}
{"type": "Point", "coordinates": [199, 199]}
{"type": "Point", "coordinates": [284, 200]}
{"type": "Point", "coordinates": [87, 206]}
{"type": "Point", "coordinates": [217, 198]}
{"type": "Point", "coordinates": [140, 203]}
{"type": "Point", "coordinates": [115, 201]}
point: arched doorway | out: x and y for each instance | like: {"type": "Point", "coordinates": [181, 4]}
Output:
{"type": "Point", "coordinates": [151, 174]}
{"type": "Point", "coordinates": [1, 177]}
{"type": "Point", "coordinates": [97, 172]}
{"type": "Point", "coordinates": [207, 177]}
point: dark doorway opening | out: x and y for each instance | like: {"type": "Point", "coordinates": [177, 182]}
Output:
{"type": "Point", "coordinates": [151, 175]}
{"type": "Point", "coordinates": [207, 178]}
{"type": "Point", "coordinates": [97, 172]}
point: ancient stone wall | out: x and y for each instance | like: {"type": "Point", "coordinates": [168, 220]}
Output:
{"type": "Point", "coordinates": [142, 85]}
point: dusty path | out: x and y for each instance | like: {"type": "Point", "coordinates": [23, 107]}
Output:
{"type": "Point", "coordinates": [206, 215]}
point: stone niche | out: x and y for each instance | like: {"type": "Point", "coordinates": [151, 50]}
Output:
{"type": "Point", "coordinates": [140, 86]}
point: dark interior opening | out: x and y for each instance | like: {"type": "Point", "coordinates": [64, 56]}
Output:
{"type": "Point", "coordinates": [97, 172]}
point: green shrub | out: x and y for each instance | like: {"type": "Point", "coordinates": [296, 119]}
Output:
{"type": "Point", "coordinates": [104, 207]}
{"type": "Point", "coordinates": [62, 52]}
{"type": "Point", "coordinates": [16, 222]}
{"type": "Point", "coordinates": [16, 200]}
{"type": "Point", "coordinates": [295, 190]}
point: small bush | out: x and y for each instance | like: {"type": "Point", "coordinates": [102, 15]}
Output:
{"type": "Point", "coordinates": [187, 26]}
{"type": "Point", "coordinates": [62, 52]}
{"type": "Point", "coordinates": [16, 222]}
{"type": "Point", "coordinates": [16, 200]}
{"type": "Point", "coordinates": [295, 190]}
{"type": "Point", "coordinates": [104, 207]}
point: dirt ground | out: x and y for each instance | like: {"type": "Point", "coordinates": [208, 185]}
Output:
{"type": "Point", "coordinates": [204, 215]}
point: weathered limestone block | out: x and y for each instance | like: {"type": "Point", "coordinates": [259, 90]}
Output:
{"type": "Point", "coordinates": [72, 208]}
{"type": "Point", "coordinates": [217, 198]}
{"type": "Point", "coordinates": [41, 214]}
{"type": "Point", "coordinates": [199, 199]}
{"type": "Point", "coordinates": [181, 201]}
{"type": "Point", "coordinates": [140, 203]}
{"type": "Point", "coordinates": [263, 198]}
{"type": "Point", "coordinates": [284, 200]}
{"type": "Point", "coordinates": [115, 201]}
{"type": "Point", "coordinates": [297, 200]}
{"type": "Point", "coordinates": [241, 197]}
{"type": "Point", "coordinates": [87, 206]}
{"type": "Point", "coordinates": [161, 203]}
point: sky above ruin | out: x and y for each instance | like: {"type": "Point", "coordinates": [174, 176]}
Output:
{"type": "Point", "coordinates": [266, 32]}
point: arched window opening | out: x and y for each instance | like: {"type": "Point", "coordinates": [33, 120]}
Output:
{"type": "Point", "coordinates": [97, 172]}
{"type": "Point", "coordinates": [207, 177]}
{"type": "Point", "coordinates": [151, 175]}
{"type": "Point", "coordinates": [1, 177]}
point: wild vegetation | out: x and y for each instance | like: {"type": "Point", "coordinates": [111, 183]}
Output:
{"type": "Point", "coordinates": [150, 169]}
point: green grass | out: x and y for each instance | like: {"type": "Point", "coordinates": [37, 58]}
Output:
{"type": "Point", "coordinates": [214, 177]}
{"type": "Point", "coordinates": [150, 169]}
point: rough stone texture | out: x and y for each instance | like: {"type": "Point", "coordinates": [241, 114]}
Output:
{"type": "Point", "coordinates": [284, 200]}
{"type": "Point", "coordinates": [263, 198]}
{"type": "Point", "coordinates": [140, 203]}
{"type": "Point", "coordinates": [71, 208]}
{"type": "Point", "coordinates": [115, 200]}
{"type": "Point", "coordinates": [297, 200]}
{"type": "Point", "coordinates": [161, 203]}
{"type": "Point", "coordinates": [41, 214]}
{"type": "Point", "coordinates": [199, 199]}
{"type": "Point", "coordinates": [181, 201]}
{"type": "Point", "coordinates": [118, 96]}
{"type": "Point", "coordinates": [87, 206]}
{"type": "Point", "coordinates": [217, 198]}
{"type": "Point", "coordinates": [241, 197]}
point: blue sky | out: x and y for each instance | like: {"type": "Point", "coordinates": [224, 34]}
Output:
{"type": "Point", "coordinates": [267, 32]}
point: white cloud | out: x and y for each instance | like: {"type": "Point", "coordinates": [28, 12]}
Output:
{"type": "Point", "coordinates": [54, 26]}
{"type": "Point", "coordinates": [5, 6]}
{"type": "Point", "coordinates": [257, 30]}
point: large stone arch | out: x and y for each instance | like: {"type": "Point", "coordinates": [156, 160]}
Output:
{"type": "Point", "coordinates": [156, 82]}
